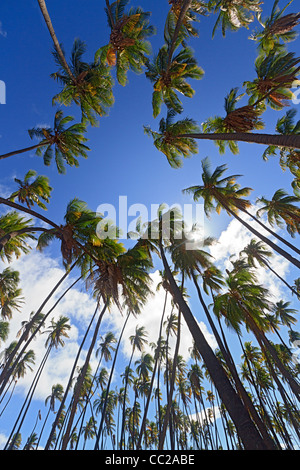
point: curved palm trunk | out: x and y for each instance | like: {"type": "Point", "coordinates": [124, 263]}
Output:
{"type": "Point", "coordinates": [48, 21]}
{"type": "Point", "coordinates": [276, 248]}
{"type": "Point", "coordinates": [230, 364]}
{"type": "Point", "coordinates": [80, 380]}
{"type": "Point", "coordinates": [246, 429]}
{"type": "Point", "coordinates": [108, 385]}
{"type": "Point", "coordinates": [291, 140]}
{"type": "Point", "coordinates": [290, 245]}
{"type": "Point", "coordinates": [9, 366]}
{"type": "Point", "coordinates": [18, 152]}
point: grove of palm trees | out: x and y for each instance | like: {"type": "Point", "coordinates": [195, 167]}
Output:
{"type": "Point", "coordinates": [129, 329]}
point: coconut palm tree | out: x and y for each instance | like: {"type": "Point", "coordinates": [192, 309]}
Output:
{"type": "Point", "coordinates": [233, 14]}
{"type": "Point", "coordinates": [170, 78]}
{"type": "Point", "coordinates": [15, 235]}
{"type": "Point", "coordinates": [167, 141]}
{"type": "Point", "coordinates": [281, 209]}
{"type": "Point", "coordinates": [241, 120]}
{"type": "Point", "coordinates": [138, 341]}
{"type": "Point", "coordinates": [246, 301]}
{"type": "Point", "coordinates": [223, 192]}
{"type": "Point", "coordinates": [257, 251]}
{"type": "Point", "coordinates": [128, 46]}
{"type": "Point", "coordinates": [32, 192]}
{"type": "Point", "coordinates": [288, 158]}
{"type": "Point", "coordinates": [276, 75]}
{"type": "Point", "coordinates": [63, 143]}
{"type": "Point", "coordinates": [236, 409]}
{"type": "Point", "coordinates": [56, 334]}
{"type": "Point", "coordinates": [278, 29]}
{"type": "Point", "coordinates": [56, 395]}
{"type": "Point", "coordinates": [194, 8]}
{"type": "Point", "coordinates": [10, 293]}
{"type": "Point", "coordinates": [90, 86]}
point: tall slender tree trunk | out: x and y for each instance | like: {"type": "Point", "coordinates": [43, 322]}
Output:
{"type": "Point", "coordinates": [291, 140]}
{"type": "Point", "coordinates": [48, 21]}
{"type": "Point", "coordinates": [58, 415]}
{"type": "Point", "coordinates": [157, 359]}
{"type": "Point", "coordinates": [18, 152]}
{"type": "Point", "coordinates": [80, 380]}
{"type": "Point", "coordinates": [29, 399]}
{"type": "Point", "coordinates": [246, 429]}
{"type": "Point", "coordinates": [172, 382]}
{"type": "Point", "coordinates": [109, 383]}
{"type": "Point", "coordinates": [230, 364]}
{"type": "Point", "coordinates": [10, 366]}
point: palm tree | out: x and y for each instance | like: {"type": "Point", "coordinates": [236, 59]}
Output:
{"type": "Point", "coordinates": [194, 8]}
{"type": "Point", "coordinates": [167, 141]}
{"type": "Point", "coordinates": [56, 395]}
{"type": "Point", "coordinates": [56, 334]}
{"type": "Point", "coordinates": [276, 74]}
{"type": "Point", "coordinates": [248, 433]}
{"type": "Point", "coordinates": [257, 251]}
{"type": "Point", "coordinates": [90, 86]}
{"type": "Point", "coordinates": [276, 28]}
{"type": "Point", "coordinates": [227, 194]}
{"type": "Point", "coordinates": [77, 233]}
{"type": "Point", "coordinates": [32, 192]}
{"type": "Point", "coordinates": [15, 233]}
{"type": "Point", "coordinates": [10, 293]}
{"type": "Point", "coordinates": [288, 158]}
{"type": "Point", "coordinates": [281, 209]}
{"type": "Point", "coordinates": [138, 341]}
{"type": "Point", "coordinates": [240, 120]}
{"type": "Point", "coordinates": [232, 14]}
{"type": "Point", "coordinates": [247, 301]}
{"type": "Point", "coordinates": [170, 78]}
{"type": "Point", "coordinates": [128, 46]}
{"type": "Point", "coordinates": [64, 144]}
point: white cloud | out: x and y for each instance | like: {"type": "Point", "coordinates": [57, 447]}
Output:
{"type": "Point", "coordinates": [234, 239]}
{"type": "Point", "coordinates": [2, 32]}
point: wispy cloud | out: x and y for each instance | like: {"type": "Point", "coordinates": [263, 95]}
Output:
{"type": "Point", "coordinates": [2, 31]}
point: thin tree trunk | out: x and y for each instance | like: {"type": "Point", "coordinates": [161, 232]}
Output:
{"type": "Point", "coordinates": [18, 152]}
{"type": "Point", "coordinates": [170, 398]}
{"type": "Point", "coordinates": [49, 441]}
{"type": "Point", "coordinates": [230, 364]}
{"type": "Point", "coordinates": [108, 385]}
{"type": "Point", "coordinates": [153, 375]}
{"type": "Point", "coordinates": [9, 367]}
{"type": "Point", "coordinates": [291, 140]}
{"type": "Point", "coordinates": [48, 21]}
{"type": "Point", "coordinates": [245, 427]}
{"type": "Point", "coordinates": [80, 379]}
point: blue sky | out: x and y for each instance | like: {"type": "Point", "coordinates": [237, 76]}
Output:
{"type": "Point", "coordinates": [123, 160]}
